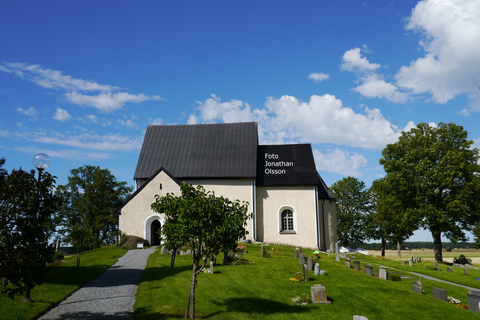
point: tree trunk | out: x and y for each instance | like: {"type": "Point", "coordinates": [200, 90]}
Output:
{"type": "Point", "coordinates": [27, 292]}
{"type": "Point", "coordinates": [191, 298]}
{"type": "Point", "coordinates": [383, 246]}
{"type": "Point", "coordinates": [399, 249]}
{"type": "Point", "coordinates": [225, 257]}
{"type": "Point", "coordinates": [172, 260]}
{"type": "Point", "coordinates": [437, 246]}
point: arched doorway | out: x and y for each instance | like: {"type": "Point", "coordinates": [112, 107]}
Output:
{"type": "Point", "coordinates": [154, 236]}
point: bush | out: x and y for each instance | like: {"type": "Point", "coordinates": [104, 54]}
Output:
{"type": "Point", "coordinates": [130, 242]}
{"type": "Point", "coordinates": [394, 277]}
{"type": "Point", "coordinates": [58, 256]}
{"type": "Point", "coordinates": [462, 260]}
{"type": "Point", "coordinates": [431, 266]}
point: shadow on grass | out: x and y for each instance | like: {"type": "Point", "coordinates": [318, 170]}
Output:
{"type": "Point", "coordinates": [144, 314]}
{"type": "Point", "coordinates": [159, 273]}
{"type": "Point", "coordinates": [86, 315]}
{"type": "Point", "coordinates": [259, 306]}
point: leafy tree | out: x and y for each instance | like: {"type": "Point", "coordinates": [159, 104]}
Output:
{"type": "Point", "coordinates": [393, 222]}
{"type": "Point", "coordinates": [204, 222]}
{"type": "Point", "coordinates": [90, 198]}
{"type": "Point", "coordinates": [27, 206]}
{"type": "Point", "coordinates": [353, 211]}
{"type": "Point", "coordinates": [434, 170]}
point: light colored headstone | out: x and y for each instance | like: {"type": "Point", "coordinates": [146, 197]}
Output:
{"type": "Point", "coordinates": [347, 262]}
{"type": "Point", "coordinates": [449, 269]}
{"type": "Point", "coordinates": [473, 297]}
{"type": "Point", "coordinates": [211, 267]}
{"type": "Point", "coordinates": [323, 272]}
{"type": "Point", "coordinates": [417, 287]}
{"type": "Point", "coordinates": [356, 265]}
{"type": "Point", "coordinates": [319, 294]}
{"type": "Point", "coordinates": [369, 269]}
{"type": "Point", "coordinates": [261, 250]}
{"type": "Point", "coordinates": [438, 267]}
{"type": "Point", "coordinates": [359, 318]}
{"type": "Point", "coordinates": [440, 294]}
{"type": "Point", "coordinates": [465, 271]}
{"type": "Point", "coordinates": [301, 260]}
{"type": "Point", "coordinates": [410, 263]}
{"type": "Point", "coordinates": [337, 256]}
{"type": "Point", "coordinates": [382, 272]}
{"type": "Point", "coordinates": [317, 269]}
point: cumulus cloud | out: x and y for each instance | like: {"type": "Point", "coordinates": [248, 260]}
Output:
{"type": "Point", "coordinates": [450, 31]}
{"type": "Point", "coordinates": [61, 115]}
{"type": "Point", "coordinates": [107, 101]}
{"type": "Point", "coordinates": [323, 119]}
{"type": "Point", "coordinates": [319, 77]}
{"type": "Point", "coordinates": [341, 162]}
{"type": "Point", "coordinates": [30, 112]}
{"type": "Point", "coordinates": [374, 86]}
{"type": "Point", "coordinates": [354, 61]}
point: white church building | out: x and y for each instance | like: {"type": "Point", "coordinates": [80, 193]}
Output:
{"type": "Point", "coordinates": [289, 200]}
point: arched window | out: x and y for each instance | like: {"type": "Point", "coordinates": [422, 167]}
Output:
{"type": "Point", "coordinates": [287, 221]}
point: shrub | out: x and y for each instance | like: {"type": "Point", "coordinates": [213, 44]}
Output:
{"type": "Point", "coordinates": [462, 260]}
{"type": "Point", "coordinates": [58, 256]}
{"type": "Point", "coordinates": [431, 266]}
{"type": "Point", "coordinates": [130, 242]}
{"type": "Point", "coordinates": [394, 277]}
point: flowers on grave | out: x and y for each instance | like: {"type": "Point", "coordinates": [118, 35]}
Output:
{"type": "Point", "coordinates": [304, 299]}
{"type": "Point", "coordinates": [456, 302]}
{"type": "Point", "coordinates": [299, 278]}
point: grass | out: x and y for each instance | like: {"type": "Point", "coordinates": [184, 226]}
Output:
{"type": "Point", "coordinates": [59, 283]}
{"type": "Point", "coordinates": [262, 290]}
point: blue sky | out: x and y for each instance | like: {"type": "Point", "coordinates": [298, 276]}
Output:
{"type": "Point", "coordinates": [82, 80]}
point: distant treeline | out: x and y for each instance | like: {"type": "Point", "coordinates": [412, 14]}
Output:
{"type": "Point", "coordinates": [414, 245]}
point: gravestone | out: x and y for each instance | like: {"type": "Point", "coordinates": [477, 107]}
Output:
{"type": "Point", "coordinates": [57, 246]}
{"type": "Point", "coordinates": [317, 269]}
{"type": "Point", "coordinates": [474, 300]}
{"type": "Point", "coordinates": [323, 272]}
{"type": "Point", "coordinates": [261, 250]}
{"type": "Point", "coordinates": [301, 260]}
{"type": "Point", "coordinates": [305, 273]}
{"type": "Point", "coordinates": [369, 269]}
{"type": "Point", "coordinates": [438, 267]}
{"type": "Point", "coordinates": [211, 267]}
{"type": "Point", "coordinates": [449, 269]}
{"type": "Point", "coordinates": [417, 287]}
{"type": "Point", "coordinates": [382, 272]}
{"type": "Point", "coordinates": [410, 263]}
{"type": "Point", "coordinates": [310, 263]}
{"type": "Point", "coordinates": [356, 265]}
{"type": "Point", "coordinates": [347, 262]}
{"type": "Point", "coordinates": [440, 294]}
{"type": "Point", "coordinates": [337, 257]}
{"type": "Point", "coordinates": [319, 294]}
{"type": "Point", "coordinates": [359, 318]}
{"type": "Point", "coordinates": [295, 253]}
{"type": "Point", "coordinates": [465, 271]}
{"type": "Point", "coordinates": [420, 259]}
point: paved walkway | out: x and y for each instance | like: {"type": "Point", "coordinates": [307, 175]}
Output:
{"type": "Point", "coordinates": [109, 296]}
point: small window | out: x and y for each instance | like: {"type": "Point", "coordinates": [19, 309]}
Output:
{"type": "Point", "coordinates": [287, 222]}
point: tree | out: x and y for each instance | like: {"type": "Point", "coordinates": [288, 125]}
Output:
{"type": "Point", "coordinates": [393, 222]}
{"type": "Point", "coordinates": [90, 198]}
{"type": "Point", "coordinates": [204, 222]}
{"type": "Point", "coordinates": [26, 223]}
{"type": "Point", "coordinates": [434, 170]}
{"type": "Point", "coordinates": [353, 211]}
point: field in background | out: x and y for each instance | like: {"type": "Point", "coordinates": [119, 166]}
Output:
{"type": "Point", "coordinates": [473, 254]}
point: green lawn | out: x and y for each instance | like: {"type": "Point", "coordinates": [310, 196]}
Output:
{"type": "Point", "coordinates": [262, 290]}
{"type": "Point", "coordinates": [59, 283]}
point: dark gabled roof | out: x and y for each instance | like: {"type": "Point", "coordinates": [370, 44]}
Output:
{"type": "Point", "coordinates": [223, 150]}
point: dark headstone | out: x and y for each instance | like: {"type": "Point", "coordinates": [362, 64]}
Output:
{"type": "Point", "coordinates": [474, 300]}
{"type": "Point", "coordinates": [356, 265]}
{"type": "Point", "coordinates": [440, 294]}
{"type": "Point", "coordinates": [347, 262]}
{"type": "Point", "coordinates": [438, 267]}
{"type": "Point", "coordinates": [465, 271]}
{"type": "Point", "coordinates": [337, 257]}
{"type": "Point", "coordinates": [449, 269]}
{"type": "Point", "coordinates": [305, 273]}
{"type": "Point", "coordinates": [310, 263]}
{"type": "Point", "coordinates": [417, 287]}
{"type": "Point", "coordinates": [301, 260]}
{"type": "Point", "coordinates": [369, 269]}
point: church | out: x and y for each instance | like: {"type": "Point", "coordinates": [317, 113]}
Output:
{"type": "Point", "coordinates": [288, 198]}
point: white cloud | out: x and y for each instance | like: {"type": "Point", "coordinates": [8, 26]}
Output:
{"type": "Point", "coordinates": [52, 79]}
{"type": "Point", "coordinates": [107, 101]}
{"type": "Point", "coordinates": [353, 61]}
{"type": "Point", "coordinates": [61, 115]}
{"type": "Point", "coordinates": [110, 141]}
{"type": "Point", "coordinates": [128, 123]}
{"type": "Point", "coordinates": [30, 112]}
{"type": "Point", "coordinates": [70, 154]}
{"type": "Point", "coordinates": [323, 119]}
{"type": "Point", "coordinates": [319, 77]}
{"type": "Point", "coordinates": [450, 32]}
{"type": "Point", "coordinates": [341, 162]}
{"type": "Point", "coordinates": [374, 86]}
{"type": "Point", "coordinates": [156, 121]}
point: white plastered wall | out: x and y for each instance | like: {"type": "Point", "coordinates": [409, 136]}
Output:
{"type": "Point", "coordinates": [271, 200]}
{"type": "Point", "coordinates": [137, 215]}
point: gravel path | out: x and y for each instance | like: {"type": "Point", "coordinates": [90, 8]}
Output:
{"type": "Point", "coordinates": [109, 296]}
